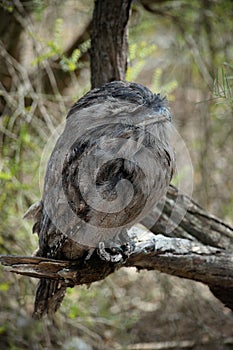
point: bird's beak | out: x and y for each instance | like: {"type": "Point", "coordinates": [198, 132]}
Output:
{"type": "Point", "coordinates": [161, 116]}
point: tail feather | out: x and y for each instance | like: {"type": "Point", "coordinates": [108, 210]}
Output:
{"type": "Point", "coordinates": [49, 296]}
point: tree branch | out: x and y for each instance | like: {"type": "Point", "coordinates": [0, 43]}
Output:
{"type": "Point", "coordinates": [184, 254]}
{"type": "Point", "coordinates": [196, 225]}
{"type": "Point", "coordinates": [200, 237]}
{"type": "Point", "coordinates": [176, 256]}
{"type": "Point", "coordinates": [200, 248]}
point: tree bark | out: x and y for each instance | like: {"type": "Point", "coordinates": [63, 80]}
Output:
{"type": "Point", "coordinates": [109, 44]}
{"type": "Point", "coordinates": [197, 224]}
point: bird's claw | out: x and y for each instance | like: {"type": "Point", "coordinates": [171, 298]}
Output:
{"type": "Point", "coordinates": [115, 254]}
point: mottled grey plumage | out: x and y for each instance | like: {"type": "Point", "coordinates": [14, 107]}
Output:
{"type": "Point", "coordinates": [115, 135]}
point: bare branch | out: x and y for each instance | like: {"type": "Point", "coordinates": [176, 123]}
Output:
{"type": "Point", "coordinates": [176, 256]}
{"type": "Point", "coordinates": [196, 225]}
{"type": "Point", "coordinates": [200, 249]}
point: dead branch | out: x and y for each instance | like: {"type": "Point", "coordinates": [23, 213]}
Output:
{"type": "Point", "coordinates": [199, 248]}
{"type": "Point", "coordinates": [197, 224]}
{"type": "Point", "coordinates": [176, 256]}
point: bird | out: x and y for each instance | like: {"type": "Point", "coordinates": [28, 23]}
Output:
{"type": "Point", "coordinates": [112, 163]}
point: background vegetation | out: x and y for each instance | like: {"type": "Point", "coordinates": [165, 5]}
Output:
{"type": "Point", "coordinates": [180, 48]}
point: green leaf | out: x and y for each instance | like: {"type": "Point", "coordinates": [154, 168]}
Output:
{"type": "Point", "coordinates": [5, 176]}
{"type": "Point", "coordinates": [4, 287]}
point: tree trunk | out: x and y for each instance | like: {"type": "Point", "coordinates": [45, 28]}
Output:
{"type": "Point", "coordinates": [109, 44]}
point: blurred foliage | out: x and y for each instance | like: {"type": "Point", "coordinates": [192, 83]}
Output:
{"type": "Point", "coordinates": [55, 50]}
{"type": "Point", "coordinates": [179, 48]}
{"type": "Point", "coordinates": [138, 53]}
{"type": "Point", "coordinates": [167, 89]}
{"type": "Point", "coordinates": [223, 86]}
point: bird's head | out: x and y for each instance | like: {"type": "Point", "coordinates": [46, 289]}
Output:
{"type": "Point", "coordinates": [127, 102]}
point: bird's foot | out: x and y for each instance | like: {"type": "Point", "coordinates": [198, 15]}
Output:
{"type": "Point", "coordinates": [127, 249]}
{"type": "Point", "coordinates": [115, 254]}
